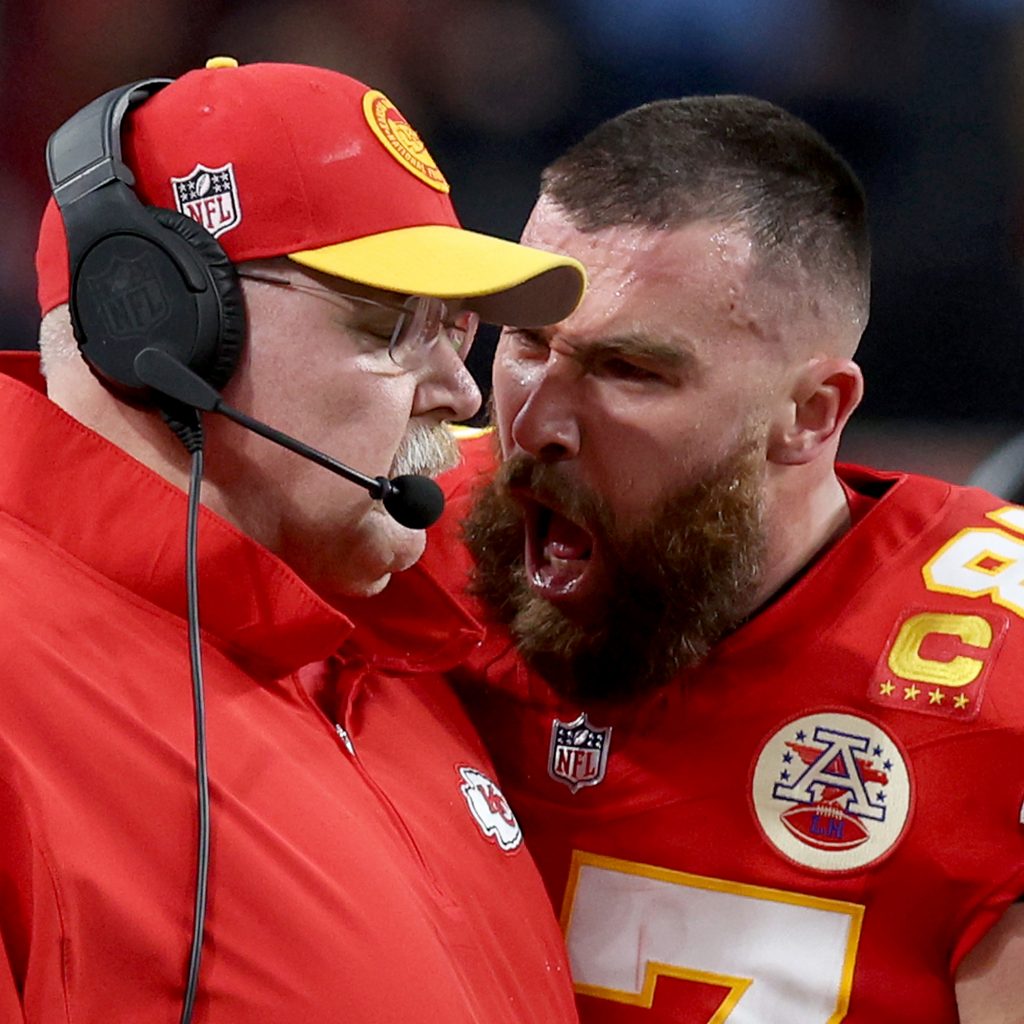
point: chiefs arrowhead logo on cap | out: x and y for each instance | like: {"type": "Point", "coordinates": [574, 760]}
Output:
{"type": "Point", "coordinates": [400, 139]}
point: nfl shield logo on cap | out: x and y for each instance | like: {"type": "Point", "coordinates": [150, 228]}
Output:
{"type": "Point", "coordinates": [579, 752]}
{"type": "Point", "coordinates": [210, 197]}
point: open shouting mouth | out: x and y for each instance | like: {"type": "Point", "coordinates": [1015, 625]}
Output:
{"type": "Point", "coordinates": [561, 555]}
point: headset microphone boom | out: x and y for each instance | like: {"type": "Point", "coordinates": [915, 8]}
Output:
{"type": "Point", "coordinates": [414, 501]}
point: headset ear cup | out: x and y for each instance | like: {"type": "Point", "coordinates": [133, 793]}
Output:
{"type": "Point", "coordinates": [221, 362]}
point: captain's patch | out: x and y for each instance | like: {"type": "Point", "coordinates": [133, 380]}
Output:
{"type": "Point", "coordinates": [937, 663]}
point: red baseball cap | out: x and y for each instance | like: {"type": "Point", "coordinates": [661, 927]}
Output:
{"type": "Point", "coordinates": [297, 161]}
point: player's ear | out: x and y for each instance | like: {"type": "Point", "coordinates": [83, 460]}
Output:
{"type": "Point", "coordinates": [824, 393]}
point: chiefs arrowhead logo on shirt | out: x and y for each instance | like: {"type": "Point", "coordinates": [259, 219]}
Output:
{"type": "Point", "coordinates": [490, 809]}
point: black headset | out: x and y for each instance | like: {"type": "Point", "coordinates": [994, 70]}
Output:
{"type": "Point", "coordinates": [140, 276]}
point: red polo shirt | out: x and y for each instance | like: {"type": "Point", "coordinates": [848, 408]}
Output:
{"type": "Point", "coordinates": [372, 876]}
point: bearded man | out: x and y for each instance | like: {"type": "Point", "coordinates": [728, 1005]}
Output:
{"type": "Point", "coordinates": [754, 710]}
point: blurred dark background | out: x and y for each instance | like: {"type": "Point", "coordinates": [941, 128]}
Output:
{"type": "Point", "coordinates": [923, 98]}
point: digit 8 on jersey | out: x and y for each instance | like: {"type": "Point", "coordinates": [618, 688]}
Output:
{"type": "Point", "coordinates": [980, 562]}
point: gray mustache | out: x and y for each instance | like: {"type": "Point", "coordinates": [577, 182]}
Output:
{"type": "Point", "coordinates": [426, 451]}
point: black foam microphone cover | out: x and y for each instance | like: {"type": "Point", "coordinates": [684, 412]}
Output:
{"type": "Point", "coordinates": [414, 501]}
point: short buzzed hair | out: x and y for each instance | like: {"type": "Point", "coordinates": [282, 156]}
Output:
{"type": "Point", "coordinates": [732, 160]}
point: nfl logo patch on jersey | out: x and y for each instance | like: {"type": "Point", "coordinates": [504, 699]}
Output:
{"type": "Point", "coordinates": [831, 791]}
{"type": "Point", "coordinates": [210, 197]}
{"type": "Point", "coordinates": [579, 752]}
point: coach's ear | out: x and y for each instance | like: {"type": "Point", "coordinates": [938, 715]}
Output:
{"type": "Point", "coordinates": [824, 393]}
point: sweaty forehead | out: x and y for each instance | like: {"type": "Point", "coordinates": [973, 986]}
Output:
{"type": "Point", "coordinates": [701, 270]}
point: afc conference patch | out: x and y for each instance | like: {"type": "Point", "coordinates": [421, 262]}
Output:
{"type": "Point", "coordinates": [209, 196]}
{"type": "Point", "coordinates": [831, 791]}
{"type": "Point", "coordinates": [578, 755]}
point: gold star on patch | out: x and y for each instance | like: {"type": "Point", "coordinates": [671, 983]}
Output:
{"type": "Point", "coordinates": [887, 688]}
{"type": "Point", "coordinates": [910, 692]}
{"type": "Point", "coordinates": [961, 700]}
{"type": "Point", "coordinates": [936, 697]}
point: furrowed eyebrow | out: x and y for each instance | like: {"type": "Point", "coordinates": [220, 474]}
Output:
{"type": "Point", "coordinates": [660, 352]}
{"type": "Point", "coordinates": [670, 356]}
{"type": "Point", "coordinates": [534, 334]}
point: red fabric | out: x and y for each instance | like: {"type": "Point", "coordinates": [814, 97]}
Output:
{"type": "Point", "coordinates": [24, 366]}
{"type": "Point", "coordinates": [342, 886]}
{"type": "Point", "coordinates": [859, 503]}
{"type": "Point", "coordinates": [676, 807]}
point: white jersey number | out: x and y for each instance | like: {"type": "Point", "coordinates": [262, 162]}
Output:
{"type": "Point", "coordinates": [783, 956]}
{"type": "Point", "coordinates": [982, 562]}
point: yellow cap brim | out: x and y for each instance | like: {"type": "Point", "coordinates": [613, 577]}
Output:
{"type": "Point", "coordinates": [505, 282]}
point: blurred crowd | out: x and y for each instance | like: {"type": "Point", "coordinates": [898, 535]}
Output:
{"type": "Point", "coordinates": [922, 96]}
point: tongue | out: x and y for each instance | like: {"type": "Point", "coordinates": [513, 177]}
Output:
{"type": "Point", "coordinates": [565, 540]}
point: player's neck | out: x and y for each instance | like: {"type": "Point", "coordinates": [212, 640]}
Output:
{"type": "Point", "coordinates": [806, 515]}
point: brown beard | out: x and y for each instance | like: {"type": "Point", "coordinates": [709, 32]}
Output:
{"type": "Point", "coordinates": [676, 585]}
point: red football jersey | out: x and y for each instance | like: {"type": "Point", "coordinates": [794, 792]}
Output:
{"type": "Point", "coordinates": [818, 822]}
